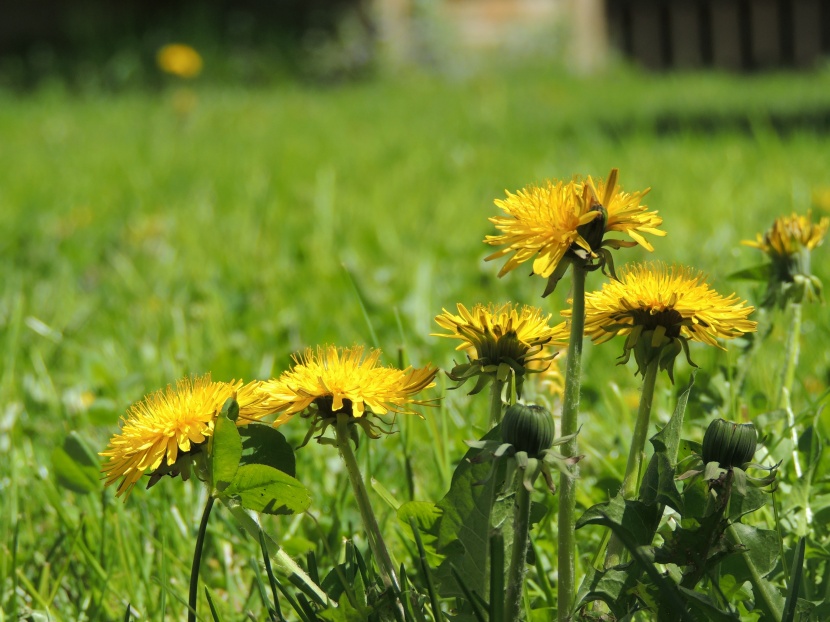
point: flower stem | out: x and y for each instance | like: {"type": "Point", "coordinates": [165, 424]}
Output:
{"type": "Point", "coordinates": [787, 378]}
{"type": "Point", "coordinates": [197, 560]}
{"type": "Point", "coordinates": [569, 425]}
{"type": "Point", "coordinates": [635, 454]}
{"type": "Point", "coordinates": [495, 402]}
{"type": "Point", "coordinates": [370, 523]}
{"type": "Point", "coordinates": [516, 574]}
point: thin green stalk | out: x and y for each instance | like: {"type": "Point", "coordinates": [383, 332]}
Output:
{"type": "Point", "coordinates": [567, 483]}
{"type": "Point", "coordinates": [638, 441]}
{"type": "Point", "coordinates": [635, 455]}
{"type": "Point", "coordinates": [516, 574]}
{"type": "Point", "coordinates": [370, 523]}
{"type": "Point", "coordinates": [787, 379]}
{"type": "Point", "coordinates": [759, 587]}
{"type": "Point", "coordinates": [495, 402]}
{"type": "Point", "coordinates": [197, 560]}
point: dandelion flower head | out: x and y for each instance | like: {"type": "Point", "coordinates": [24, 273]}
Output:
{"type": "Point", "coordinates": [501, 338]}
{"type": "Point", "coordinates": [665, 306]}
{"type": "Point", "coordinates": [789, 234]}
{"type": "Point", "coordinates": [331, 380]}
{"type": "Point", "coordinates": [171, 422]}
{"type": "Point", "coordinates": [560, 222]}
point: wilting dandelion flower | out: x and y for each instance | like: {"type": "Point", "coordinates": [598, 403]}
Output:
{"type": "Point", "coordinates": [789, 244]}
{"type": "Point", "coordinates": [170, 423]}
{"type": "Point", "coordinates": [504, 338]}
{"type": "Point", "coordinates": [331, 380]}
{"type": "Point", "coordinates": [659, 309]}
{"type": "Point", "coordinates": [179, 60]}
{"type": "Point", "coordinates": [560, 222]}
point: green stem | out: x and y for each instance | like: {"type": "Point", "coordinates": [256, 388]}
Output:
{"type": "Point", "coordinates": [759, 587]}
{"type": "Point", "coordinates": [791, 358]}
{"type": "Point", "coordinates": [638, 441]}
{"type": "Point", "coordinates": [787, 378]}
{"type": "Point", "coordinates": [496, 405]}
{"type": "Point", "coordinates": [370, 523]}
{"type": "Point", "coordinates": [569, 425]}
{"type": "Point", "coordinates": [635, 454]}
{"type": "Point", "coordinates": [197, 560]}
{"type": "Point", "coordinates": [516, 574]}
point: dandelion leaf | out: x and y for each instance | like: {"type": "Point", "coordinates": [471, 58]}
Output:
{"type": "Point", "coordinates": [265, 489]}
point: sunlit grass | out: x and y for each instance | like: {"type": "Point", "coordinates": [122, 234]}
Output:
{"type": "Point", "coordinates": [141, 245]}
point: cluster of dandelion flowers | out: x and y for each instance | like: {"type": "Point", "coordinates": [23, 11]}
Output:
{"type": "Point", "coordinates": [180, 60]}
{"type": "Point", "coordinates": [659, 309]}
{"type": "Point", "coordinates": [561, 222]}
{"type": "Point", "coordinates": [170, 423]}
{"type": "Point", "coordinates": [504, 337]}
{"type": "Point", "coordinates": [332, 380]}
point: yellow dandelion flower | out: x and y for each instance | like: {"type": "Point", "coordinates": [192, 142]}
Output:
{"type": "Point", "coordinates": [179, 60]}
{"type": "Point", "coordinates": [561, 222]}
{"type": "Point", "coordinates": [504, 337]}
{"type": "Point", "coordinates": [789, 234]}
{"type": "Point", "coordinates": [656, 306]}
{"type": "Point", "coordinates": [789, 244]}
{"type": "Point", "coordinates": [171, 422]}
{"type": "Point", "coordinates": [335, 380]}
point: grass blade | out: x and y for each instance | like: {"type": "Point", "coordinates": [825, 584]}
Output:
{"type": "Point", "coordinates": [796, 575]}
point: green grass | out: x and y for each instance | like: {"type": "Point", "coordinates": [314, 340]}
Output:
{"type": "Point", "coordinates": [140, 246]}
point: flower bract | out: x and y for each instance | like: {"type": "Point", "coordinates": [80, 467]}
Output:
{"type": "Point", "coordinates": [172, 422]}
{"type": "Point", "coordinates": [332, 380]}
{"type": "Point", "coordinates": [501, 338]}
{"type": "Point", "coordinates": [561, 222]}
{"type": "Point", "coordinates": [659, 309]}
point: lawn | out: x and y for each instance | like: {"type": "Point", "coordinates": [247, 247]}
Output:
{"type": "Point", "coordinates": [148, 236]}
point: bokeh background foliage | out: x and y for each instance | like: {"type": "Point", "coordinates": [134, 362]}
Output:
{"type": "Point", "coordinates": [143, 240]}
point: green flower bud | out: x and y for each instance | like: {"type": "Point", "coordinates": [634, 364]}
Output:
{"type": "Point", "coordinates": [729, 444]}
{"type": "Point", "coordinates": [528, 428]}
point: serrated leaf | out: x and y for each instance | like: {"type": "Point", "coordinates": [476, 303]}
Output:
{"type": "Point", "coordinates": [659, 485]}
{"type": "Point", "coordinates": [746, 501]}
{"type": "Point", "coordinates": [265, 489]}
{"type": "Point", "coordinates": [470, 510]}
{"type": "Point", "coordinates": [226, 450]}
{"type": "Point", "coordinates": [761, 547]}
{"type": "Point", "coordinates": [75, 465]}
{"type": "Point", "coordinates": [635, 518]}
{"type": "Point", "coordinates": [704, 605]}
{"type": "Point", "coordinates": [612, 586]}
{"type": "Point", "coordinates": [264, 444]}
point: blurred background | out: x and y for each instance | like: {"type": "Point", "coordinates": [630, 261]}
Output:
{"type": "Point", "coordinates": [260, 41]}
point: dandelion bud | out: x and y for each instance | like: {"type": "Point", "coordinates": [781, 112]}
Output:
{"type": "Point", "coordinates": [729, 444]}
{"type": "Point", "coordinates": [528, 428]}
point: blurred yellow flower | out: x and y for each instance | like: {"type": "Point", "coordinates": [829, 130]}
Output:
{"type": "Point", "coordinates": [335, 380]}
{"type": "Point", "coordinates": [179, 60]}
{"type": "Point", "coordinates": [568, 221]}
{"type": "Point", "coordinates": [171, 422]}
{"type": "Point", "coordinates": [789, 234]}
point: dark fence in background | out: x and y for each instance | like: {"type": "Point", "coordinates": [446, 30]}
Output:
{"type": "Point", "coordinates": [737, 35]}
